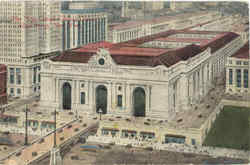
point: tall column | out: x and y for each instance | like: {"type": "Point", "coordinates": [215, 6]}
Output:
{"type": "Point", "coordinates": [183, 92]}
{"type": "Point", "coordinates": [147, 99]}
{"type": "Point", "coordinates": [82, 30]}
{"type": "Point", "coordinates": [197, 86]}
{"type": "Point", "coordinates": [191, 86]}
{"type": "Point", "coordinates": [205, 80]}
{"type": "Point", "coordinates": [202, 81]}
{"type": "Point", "coordinates": [77, 92]}
{"type": "Point", "coordinates": [109, 106]}
{"type": "Point", "coordinates": [170, 98]}
{"type": "Point", "coordinates": [71, 33]}
{"type": "Point", "coordinates": [74, 93]}
{"type": "Point", "coordinates": [128, 97]}
{"type": "Point", "coordinates": [66, 34]}
{"type": "Point", "coordinates": [91, 96]}
{"type": "Point", "coordinates": [242, 78]}
{"type": "Point", "coordinates": [113, 96]}
{"type": "Point", "coordinates": [97, 29]}
{"type": "Point", "coordinates": [91, 30]}
{"type": "Point", "coordinates": [76, 33]}
{"type": "Point", "coordinates": [56, 89]}
{"type": "Point", "coordinates": [194, 87]}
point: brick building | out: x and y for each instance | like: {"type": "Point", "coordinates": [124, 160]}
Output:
{"type": "Point", "coordinates": [3, 84]}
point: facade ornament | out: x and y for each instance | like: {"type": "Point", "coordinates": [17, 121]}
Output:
{"type": "Point", "coordinates": [46, 64]}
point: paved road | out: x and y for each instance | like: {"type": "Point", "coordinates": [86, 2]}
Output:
{"type": "Point", "coordinates": [25, 156]}
{"type": "Point", "coordinates": [19, 103]}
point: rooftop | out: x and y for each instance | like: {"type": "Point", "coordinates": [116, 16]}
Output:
{"type": "Point", "coordinates": [243, 52]}
{"type": "Point", "coordinates": [130, 52]}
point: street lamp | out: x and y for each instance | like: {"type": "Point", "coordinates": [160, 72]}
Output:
{"type": "Point", "coordinates": [100, 112]}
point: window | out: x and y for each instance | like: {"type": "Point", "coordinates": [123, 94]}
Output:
{"type": "Point", "coordinates": [12, 91]}
{"type": "Point", "coordinates": [119, 88]}
{"type": "Point", "coordinates": [119, 100]}
{"type": "Point", "coordinates": [238, 74]}
{"type": "Point", "coordinates": [245, 78]}
{"type": "Point", "coordinates": [82, 85]}
{"type": "Point", "coordinates": [193, 141]}
{"type": "Point", "coordinates": [105, 132]}
{"type": "Point", "coordinates": [12, 76]}
{"type": "Point", "coordinates": [238, 62]}
{"type": "Point", "coordinates": [82, 97]}
{"type": "Point", "coordinates": [18, 76]}
{"type": "Point", "coordinates": [230, 61]}
{"type": "Point", "coordinates": [18, 91]}
{"type": "Point", "coordinates": [34, 75]}
{"type": "Point", "coordinates": [245, 63]}
{"type": "Point", "coordinates": [230, 76]}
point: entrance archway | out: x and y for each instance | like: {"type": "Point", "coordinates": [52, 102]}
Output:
{"type": "Point", "coordinates": [66, 99]}
{"type": "Point", "coordinates": [101, 99]}
{"type": "Point", "coordinates": [139, 102]}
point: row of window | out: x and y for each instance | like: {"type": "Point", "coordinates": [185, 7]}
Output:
{"type": "Point", "coordinates": [35, 124]}
{"type": "Point", "coordinates": [145, 135]}
{"type": "Point", "coordinates": [12, 91]}
{"type": "Point", "coordinates": [239, 62]}
{"type": "Point", "coordinates": [83, 95]}
{"type": "Point", "coordinates": [128, 133]}
{"type": "Point", "coordinates": [18, 77]}
{"type": "Point", "coordinates": [238, 77]}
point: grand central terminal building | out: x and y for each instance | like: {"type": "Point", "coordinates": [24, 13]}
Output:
{"type": "Point", "coordinates": [153, 76]}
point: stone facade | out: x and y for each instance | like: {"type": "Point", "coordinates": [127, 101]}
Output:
{"type": "Point", "coordinates": [237, 72]}
{"type": "Point", "coordinates": [167, 89]}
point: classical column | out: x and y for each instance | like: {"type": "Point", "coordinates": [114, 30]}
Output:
{"type": "Point", "coordinates": [109, 106]}
{"type": "Point", "coordinates": [202, 81]}
{"type": "Point", "coordinates": [191, 86]}
{"type": "Point", "coordinates": [91, 31]}
{"type": "Point", "coordinates": [242, 79]}
{"type": "Point", "coordinates": [170, 98]}
{"type": "Point", "coordinates": [56, 89]}
{"type": "Point", "coordinates": [77, 92]}
{"type": "Point", "coordinates": [97, 29]}
{"type": "Point", "coordinates": [123, 96]}
{"type": "Point", "coordinates": [147, 99]}
{"type": "Point", "coordinates": [71, 33]}
{"type": "Point", "coordinates": [183, 92]}
{"type": "Point", "coordinates": [91, 96]}
{"type": "Point", "coordinates": [197, 89]}
{"type": "Point", "coordinates": [74, 92]}
{"type": "Point", "coordinates": [128, 97]}
{"type": "Point", "coordinates": [113, 96]}
{"type": "Point", "coordinates": [194, 87]}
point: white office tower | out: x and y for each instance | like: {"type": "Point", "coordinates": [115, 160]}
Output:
{"type": "Point", "coordinates": [50, 39]}
{"type": "Point", "coordinates": [27, 35]}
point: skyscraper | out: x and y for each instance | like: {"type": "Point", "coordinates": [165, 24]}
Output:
{"type": "Point", "coordinates": [28, 34]}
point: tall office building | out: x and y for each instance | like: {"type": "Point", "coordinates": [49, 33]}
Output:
{"type": "Point", "coordinates": [83, 23]}
{"type": "Point", "coordinates": [28, 34]}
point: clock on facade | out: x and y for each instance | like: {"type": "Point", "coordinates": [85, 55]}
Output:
{"type": "Point", "coordinates": [101, 61]}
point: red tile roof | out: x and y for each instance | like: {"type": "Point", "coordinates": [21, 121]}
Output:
{"type": "Point", "coordinates": [243, 52]}
{"type": "Point", "coordinates": [129, 53]}
{"type": "Point", "coordinates": [172, 39]}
